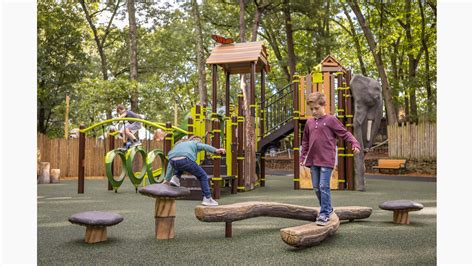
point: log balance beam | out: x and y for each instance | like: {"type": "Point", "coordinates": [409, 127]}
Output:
{"type": "Point", "coordinates": [294, 235]}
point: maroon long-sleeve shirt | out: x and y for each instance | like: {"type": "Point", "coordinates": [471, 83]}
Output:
{"type": "Point", "coordinates": [319, 141]}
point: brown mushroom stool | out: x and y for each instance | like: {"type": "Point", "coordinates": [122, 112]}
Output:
{"type": "Point", "coordinates": [96, 223]}
{"type": "Point", "coordinates": [165, 207]}
{"type": "Point", "coordinates": [400, 209]}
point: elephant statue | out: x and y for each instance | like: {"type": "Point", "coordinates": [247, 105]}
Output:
{"type": "Point", "coordinates": [368, 103]}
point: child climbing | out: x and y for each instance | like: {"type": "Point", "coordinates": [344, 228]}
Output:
{"type": "Point", "coordinates": [131, 128]}
{"type": "Point", "coordinates": [183, 158]}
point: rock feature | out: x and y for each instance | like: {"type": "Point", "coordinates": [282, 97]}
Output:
{"type": "Point", "coordinates": [309, 234]}
{"type": "Point", "coordinates": [165, 207]}
{"type": "Point", "coordinates": [400, 209]}
{"type": "Point", "coordinates": [96, 223]}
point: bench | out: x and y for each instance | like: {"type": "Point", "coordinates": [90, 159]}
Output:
{"type": "Point", "coordinates": [391, 164]}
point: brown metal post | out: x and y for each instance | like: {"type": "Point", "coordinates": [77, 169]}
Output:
{"type": "Point", "coordinates": [190, 126]}
{"type": "Point", "coordinates": [81, 163]}
{"type": "Point", "coordinates": [111, 147]}
{"type": "Point", "coordinates": [234, 154]}
{"type": "Point", "coordinates": [341, 143]}
{"type": "Point", "coordinates": [262, 126]}
{"type": "Point", "coordinates": [252, 162]}
{"type": "Point", "coordinates": [349, 123]}
{"type": "Point", "coordinates": [240, 141]}
{"type": "Point", "coordinates": [296, 136]}
{"type": "Point", "coordinates": [216, 138]}
{"type": "Point", "coordinates": [167, 145]}
{"type": "Point", "coordinates": [216, 179]}
{"type": "Point", "coordinates": [228, 229]}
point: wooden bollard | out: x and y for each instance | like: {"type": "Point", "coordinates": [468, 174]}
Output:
{"type": "Point", "coordinates": [165, 212]}
{"type": "Point", "coordinates": [54, 175]}
{"type": "Point", "coordinates": [44, 173]}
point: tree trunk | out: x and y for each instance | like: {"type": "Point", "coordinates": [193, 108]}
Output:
{"type": "Point", "coordinates": [242, 26]}
{"type": "Point", "coordinates": [274, 44]}
{"type": "Point", "coordinates": [133, 52]}
{"type": "Point", "coordinates": [289, 38]}
{"type": "Point", "coordinates": [201, 63]}
{"type": "Point", "coordinates": [100, 43]}
{"type": "Point", "coordinates": [357, 42]}
{"type": "Point", "coordinates": [249, 174]}
{"type": "Point", "coordinates": [412, 63]}
{"type": "Point", "coordinates": [427, 58]}
{"type": "Point", "coordinates": [386, 91]}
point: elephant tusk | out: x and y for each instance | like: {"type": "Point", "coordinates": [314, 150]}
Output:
{"type": "Point", "coordinates": [369, 129]}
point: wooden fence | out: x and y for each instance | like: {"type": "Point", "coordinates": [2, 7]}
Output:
{"type": "Point", "coordinates": [63, 154]}
{"type": "Point", "coordinates": [412, 141]}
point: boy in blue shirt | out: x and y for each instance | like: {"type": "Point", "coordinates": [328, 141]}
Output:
{"type": "Point", "coordinates": [183, 158]}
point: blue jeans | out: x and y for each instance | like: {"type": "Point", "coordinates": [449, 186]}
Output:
{"type": "Point", "coordinates": [193, 168]}
{"type": "Point", "coordinates": [321, 176]}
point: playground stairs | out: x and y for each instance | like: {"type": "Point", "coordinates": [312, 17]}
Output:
{"type": "Point", "coordinates": [278, 134]}
{"type": "Point", "coordinates": [191, 182]}
{"type": "Point", "coordinates": [208, 166]}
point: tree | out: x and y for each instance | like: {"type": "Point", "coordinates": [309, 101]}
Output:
{"type": "Point", "coordinates": [133, 53]}
{"type": "Point", "coordinates": [100, 40]}
{"type": "Point", "coordinates": [201, 64]}
{"type": "Point", "coordinates": [386, 91]}
{"type": "Point", "coordinates": [61, 62]}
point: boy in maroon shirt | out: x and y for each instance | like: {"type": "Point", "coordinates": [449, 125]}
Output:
{"type": "Point", "coordinates": [319, 150]}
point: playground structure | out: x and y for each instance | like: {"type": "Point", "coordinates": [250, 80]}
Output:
{"type": "Point", "coordinates": [274, 118]}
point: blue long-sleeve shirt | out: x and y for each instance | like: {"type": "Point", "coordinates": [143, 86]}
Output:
{"type": "Point", "coordinates": [188, 149]}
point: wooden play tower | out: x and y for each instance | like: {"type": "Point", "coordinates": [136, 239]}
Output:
{"type": "Point", "coordinates": [281, 114]}
{"type": "Point", "coordinates": [237, 58]}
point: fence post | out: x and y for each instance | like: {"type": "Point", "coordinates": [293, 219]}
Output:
{"type": "Point", "coordinates": [111, 147]}
{"type": "Point", "coordinates": [167, 145]}
{"type": "Point", "coordinates": [81, 166]}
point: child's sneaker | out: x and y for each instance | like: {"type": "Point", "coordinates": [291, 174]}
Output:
{"type": "Point", "coordinates": [322, 220]}
{"type": "Point", "coordinates": [209, 202]}
{"type": "Point", "coordinates": [136, 143]}
{"type": "Point", "coordinates": [174, 181]}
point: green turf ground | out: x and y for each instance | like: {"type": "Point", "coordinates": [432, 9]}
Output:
{"type": "Point", "coordinates": [256, 241]}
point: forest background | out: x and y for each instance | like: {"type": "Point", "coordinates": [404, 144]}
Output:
{"type": "Point", "coordinates": [150, 55]}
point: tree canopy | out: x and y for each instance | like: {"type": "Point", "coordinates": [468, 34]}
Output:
{"type": "Point", "coordinates": [84, 52]}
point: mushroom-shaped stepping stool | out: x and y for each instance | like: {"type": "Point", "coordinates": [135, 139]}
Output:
{"type": "Point", "coordinates": [96, 223]}
{"type": "Point", "coordinates": [165, 207]}
{"type": "Point", "coordinates": [400, 209]}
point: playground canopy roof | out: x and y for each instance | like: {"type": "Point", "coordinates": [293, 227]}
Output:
{"type": "Point", "coordinates": [330, 64]}
{"type": "Point", "coordinates": [236, 57]}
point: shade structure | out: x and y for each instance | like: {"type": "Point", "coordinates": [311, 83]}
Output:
{"type": "Point", "coordinates": [235, 58]}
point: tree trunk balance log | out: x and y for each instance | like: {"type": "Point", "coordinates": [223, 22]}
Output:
{"type": "Point", "coordinates": [244, 210]}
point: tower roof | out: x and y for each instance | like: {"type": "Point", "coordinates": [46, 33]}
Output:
{"type": "Point", "coordinates": [236, 57]}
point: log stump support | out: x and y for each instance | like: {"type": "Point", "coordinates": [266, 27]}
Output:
{"type": "Point", "coordinates": [401, 217]}
{"type": "Point", "coordinates": [165, 212]}
{"type": "Point", "coordinates": [95, 234]}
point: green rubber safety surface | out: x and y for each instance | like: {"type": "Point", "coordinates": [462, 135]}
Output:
{"type": "Point", "coordinates": [375, 240]}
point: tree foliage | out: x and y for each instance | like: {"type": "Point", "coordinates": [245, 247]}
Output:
{"type": "Point", "coordinates": [70, 63]}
